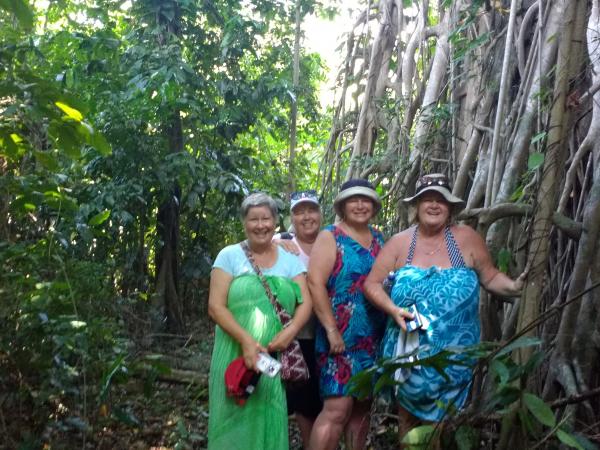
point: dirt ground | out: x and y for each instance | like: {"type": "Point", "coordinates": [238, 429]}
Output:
{"type": "Point", "coordinates": [155, 409]}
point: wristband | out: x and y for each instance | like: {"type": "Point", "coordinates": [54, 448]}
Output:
{"type": "Point", "coordinates": [330, 330]}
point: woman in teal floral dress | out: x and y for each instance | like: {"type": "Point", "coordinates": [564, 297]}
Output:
{"type": "Point", "coordinates": [348, 336]}
{"type": "Point", "coordinates": [438, 267]}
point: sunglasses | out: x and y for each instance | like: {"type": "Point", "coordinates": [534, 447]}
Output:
{"type": "Point", "coordinates": [311, 193]}
{"type": "Point", "coordinates": [426, 181]}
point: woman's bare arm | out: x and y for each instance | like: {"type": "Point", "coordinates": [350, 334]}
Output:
{"type": "Point", "coordinates": [218, 311]}
{"type": "Point", "coordinates": [490, 277]}
{"type": "Point", "coordinates": [301, 315]}
{"type": "Point", "coordinates": [322, 260]}
{"type": "Point", "coordinates": [385, 263]}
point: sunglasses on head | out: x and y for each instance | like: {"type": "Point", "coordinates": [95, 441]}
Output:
{"type": "Point", "coordinates": [426, 181]}
{"type": "Point", "coordinates": [311, 193]}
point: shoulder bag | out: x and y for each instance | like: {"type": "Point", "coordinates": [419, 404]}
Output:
{"type": "Point", "coordinates": [293, 365]}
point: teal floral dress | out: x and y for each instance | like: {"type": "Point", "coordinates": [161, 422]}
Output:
{"type": "Point", "coordinates": [448, 300]}
{"type": "Point", "coordinates": [360, 323]}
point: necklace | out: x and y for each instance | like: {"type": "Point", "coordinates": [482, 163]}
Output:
{"type": "Point", "coordinates": [437, 249]}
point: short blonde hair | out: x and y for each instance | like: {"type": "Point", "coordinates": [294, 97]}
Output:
{"type": "Point", "coordinates": [259, 199]}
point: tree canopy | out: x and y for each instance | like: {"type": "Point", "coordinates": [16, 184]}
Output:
{"type": "Point", "coordinates": [131, 131]}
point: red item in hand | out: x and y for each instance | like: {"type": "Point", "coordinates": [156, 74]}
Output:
{"type": "Point", "coordinates": [240, 381]}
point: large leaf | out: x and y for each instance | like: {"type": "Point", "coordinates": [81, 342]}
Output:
{"type": "Point", "coordinates": [535, 160]}
{"type": "Point", "coordinates": [71, 113]}
{"type": "Point", "coordinates": [99, 218]}
{"type": "Point", "coordinates": [540, 410]}
{"type": "Point", "coordinates": [106, 379]}
{"type": "Point", "coordinates": [523, 341]}
{"type": "Point", "coordinates": [568, 439]}
{"type": "Point", "coordinates": [21, 11]}
{"type": "Point", "coordinates": [419, 437]}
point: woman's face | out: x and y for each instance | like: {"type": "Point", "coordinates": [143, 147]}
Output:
{"type": "Point", "coordinates": [259, 225]}
{"type": "Point", "coordinates": [358, 209]}
{"type": "Point", "coordinates": [306, 218]}
{"type": "Point", "coordinates": [433, 210]}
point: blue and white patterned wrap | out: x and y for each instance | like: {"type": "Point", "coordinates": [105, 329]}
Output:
{"type": "Point", "coordinates": [449, 300]}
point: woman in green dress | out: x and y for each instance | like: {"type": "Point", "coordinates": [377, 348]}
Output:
{"type": "Point", "coordinates": [248, 324]}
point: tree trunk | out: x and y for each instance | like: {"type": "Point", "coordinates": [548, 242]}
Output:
{"type": "Point", "coordinates": [294, 103]}
{"type": "Point", "coordinates": [548, 190]}
{"type": "Point", "coordinates": [167, 254]}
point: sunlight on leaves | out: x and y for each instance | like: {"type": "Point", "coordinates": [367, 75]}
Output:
{"type": "Point", "coordinates": [99, 218]}
{"type": "Point", "coordinates": [71, 113]}
{"type": "Point", "coordinates": [419, 437]}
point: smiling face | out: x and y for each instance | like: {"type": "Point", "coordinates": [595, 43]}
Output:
{"type": "Point", "coordinates": [306, 218]}
{"type": "Point", "coordinates": [259, 225]}
{"type": "Point", "coordinates": [433, 210]}
{"type": "Point", "coordinates": [358, 209]}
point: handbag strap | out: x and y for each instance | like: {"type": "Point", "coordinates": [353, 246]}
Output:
{"type": "Point", "coordinates": [278, 308]}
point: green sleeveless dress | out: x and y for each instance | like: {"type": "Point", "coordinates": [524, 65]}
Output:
{"type": "Point", "coordinates": [262, 423]}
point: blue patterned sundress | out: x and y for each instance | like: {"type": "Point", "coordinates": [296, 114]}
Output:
{"type": "Point", "coordinates": [359, 322]}
{"type": "Point", "coordinates": [449, 300]}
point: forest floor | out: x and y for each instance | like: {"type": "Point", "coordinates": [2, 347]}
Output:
{"type": "Point", "coordinates": [163, 408]}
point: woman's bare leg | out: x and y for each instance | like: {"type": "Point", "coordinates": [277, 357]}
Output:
{"type": "Point", "coordinates": [357, 428]}
{"type": "Point", "coordinates": [305, 425]}
{"type": "Point", "coordinates": [330, 423]}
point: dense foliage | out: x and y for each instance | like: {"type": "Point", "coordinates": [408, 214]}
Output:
{"type": "Point", "coordinates": [122, 123]}
{"type": "Point", "coordinates": [131, 130]}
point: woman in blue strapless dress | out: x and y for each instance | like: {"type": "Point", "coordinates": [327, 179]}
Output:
{"type": "Point", "coordinates": [438, 267]}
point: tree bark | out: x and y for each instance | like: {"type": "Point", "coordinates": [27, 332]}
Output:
{"type": "Point", "coordinates": [548, 190]}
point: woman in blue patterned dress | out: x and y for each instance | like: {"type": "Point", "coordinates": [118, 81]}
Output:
{"type": "Point", "coordinates": [350, 328]}
{"type": "Point", "coordinates": [438, 267]}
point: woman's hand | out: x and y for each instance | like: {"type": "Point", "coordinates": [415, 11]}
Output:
{"type": "Point", "coordinates": [400, 315]}
{"type": "Point", "coordinates": [282, 340]}
{"type": "Point", "coordinates": [336, 342]}
{"type": "Point", "coordinates": [519, 282]}
{"type": "Point", "coordinates": [250, 351]}
{"type": "Point", "coordinates": [288, 245]}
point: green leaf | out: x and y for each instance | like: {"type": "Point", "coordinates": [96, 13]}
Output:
{"type": "Point", "coordinates": [99, 142]}
{"type": "Point", "coordinates": [568, 439]}
{"type": "Point", "coordinates": [501, 370]}
{"type": "Point", "coordinates": [419, 437]}
{"type": "Point", "coordinates": [8, 147]}
{"type": "Point", "coordinates": [99, 218]}
{"type": "Point", "coordinates": [538, 137]}
{"type": "Point", "coordinates": [466, 438]}
{"type": "Point", "coordinates": [71, 113]}
{"type": "Point", "coordinates": [66, 138]}
{"type": "Point", "coordinates": [21, 11]}
{"type": "Point", "coordinates": [539, 409]}
{"type": "Point", "coordinates": [106, 379]}
{"type": "Point", "coordinates": [503, 259]}
{"type": "Point", "coordinates": [585, 442]}
{"type": "Point", "coordinates": [535, 160]}
{"type": "Point", "coordinates": [523, 341]}
{"type": "Point", "coordinates": [47, 160]}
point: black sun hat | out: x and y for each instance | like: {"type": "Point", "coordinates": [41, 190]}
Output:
{"type": "Point", "coordinates": [357, 186]}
